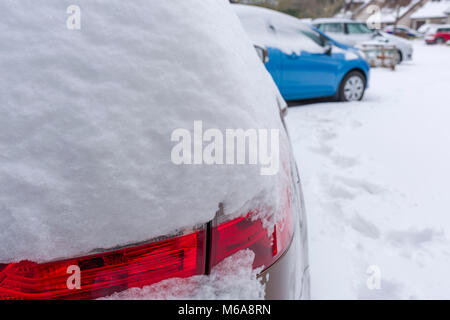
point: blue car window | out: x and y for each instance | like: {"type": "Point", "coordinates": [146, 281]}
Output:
{"type": "Point", "coordinates": [303, 36]}
{"type": "Point", "coordinates": [314, 36]}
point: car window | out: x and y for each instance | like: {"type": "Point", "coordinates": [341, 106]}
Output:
{"type": "Point", "coordinates": [306, 36]}
{"type": "Point", "coordinates": [333, 28]}
{"type": "Point", "coordinates": [358, 28]}
{"type": "Point", "coordinates": [314, 36]}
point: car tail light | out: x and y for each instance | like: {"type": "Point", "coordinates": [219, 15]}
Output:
{"type": "Point", "coordinates": [250, 233]}
{"type": "Point", "coordinates": [142, 265]}
{"type": "Point", "coordinates": [106, 273]}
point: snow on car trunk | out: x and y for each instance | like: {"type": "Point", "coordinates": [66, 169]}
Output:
{"type": "Point", "coordinates": [87, 116]}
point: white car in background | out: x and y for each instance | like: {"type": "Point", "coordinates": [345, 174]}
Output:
{"type": "Point", "coordinates": [402, 31]}
{"type": "Point", "coordinates": [351, 32]}
{"type": "Point", "coordinates": [426, 28]}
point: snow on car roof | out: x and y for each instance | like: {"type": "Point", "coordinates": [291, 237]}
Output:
{"type": "Point", "coordinates": [334, 20]}
{"type": "Point", "coordinates": [275, 29]}
{"type": "Point", "coordinates": [87, 118]}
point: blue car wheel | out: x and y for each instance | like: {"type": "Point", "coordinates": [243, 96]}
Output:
{"type": "Point", "coordinates": [352, 87]}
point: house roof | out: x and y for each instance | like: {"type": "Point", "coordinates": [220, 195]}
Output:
{"type": "Point", "coordinates": [433, 9]}
{"type": "Point", "coordinates": [389, 14]}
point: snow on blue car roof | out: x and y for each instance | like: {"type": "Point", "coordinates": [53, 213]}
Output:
{"type": "Point", "coordinates": [275, 29]}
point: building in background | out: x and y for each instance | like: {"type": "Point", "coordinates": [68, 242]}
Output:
{"type": "Point", "coordinates": [392, 12]}
{"type": "Point", "coordinates": [434, 11]}
{"type": "Point", "coordinates": [304, 9]}
{"type": "Point", "coordinates": [409, 13]}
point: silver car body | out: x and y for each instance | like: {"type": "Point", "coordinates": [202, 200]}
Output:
{"type": "Point", "coordinates": [352, 32]}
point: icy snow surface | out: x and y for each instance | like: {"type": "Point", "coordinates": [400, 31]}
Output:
{"type": "Point", "coordinates": [376, 181]}
{"type": "Point", "coordinates": [87, 116]}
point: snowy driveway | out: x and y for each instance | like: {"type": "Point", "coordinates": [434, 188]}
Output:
{"type": "Point", "coordinates": [376, 178]}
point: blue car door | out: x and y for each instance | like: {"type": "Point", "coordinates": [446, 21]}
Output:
{"type": "Point", "coordinates": [311, 72]}
{"type": "Point", "coordinates": [274, 65]}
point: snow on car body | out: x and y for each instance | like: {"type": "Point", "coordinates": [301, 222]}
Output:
{"type": "Point", "coordinates": [86, 177]}
{"type": "Point", "coordinates": [353, 32]}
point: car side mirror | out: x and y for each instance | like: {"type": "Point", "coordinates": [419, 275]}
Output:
{"type": "Point", "coordinates": [376, 33]}
{"type": "Point", "coordinates": [328, 49]}
{"type": "Point", "coordinates": [263, 54]}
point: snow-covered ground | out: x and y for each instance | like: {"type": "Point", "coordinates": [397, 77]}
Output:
{"type": "Point", "coordinates": [376, 178]}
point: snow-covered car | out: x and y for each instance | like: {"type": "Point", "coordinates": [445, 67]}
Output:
{"type": "Point", "coordinates": [115, 179]}
{"type": "Point", "coordinates": [402, 31]}
{"type": "Point", "coordinates": [304, 63]}
{"type": "Point", "coordinates": [425, 28]}
{"type": "Point", "coordinates": [438, 35]}
{"type": "Point", "coordinates": [351, 32]}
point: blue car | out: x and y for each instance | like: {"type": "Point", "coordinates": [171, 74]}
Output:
{"type": "Point", "coordinates": [304, 62]}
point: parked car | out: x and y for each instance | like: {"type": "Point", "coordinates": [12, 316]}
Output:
{"type": "Point", "coordinates": [303, 62]}
{"type": "Point", "coordinates": [353, 32]}
{"type": "Point", "coordinates": [425, 28]}
{"type": "Point", "coordinates": [91, 202]}
{"type": "Point", "coordinates": [438, 35]}
{"type": "Point", "coordinates": [402, 31]}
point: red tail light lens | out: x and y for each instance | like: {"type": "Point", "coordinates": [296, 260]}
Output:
{"type": "Point", "coordinates": [183, 256]}
{"type": "Point", "coordinates": [250, 233]}
{"type": "Point", "coordinates": [106, 273]}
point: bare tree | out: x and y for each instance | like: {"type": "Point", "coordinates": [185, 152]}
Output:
{"type": "Point", "coordinates": [397, 5]}
{"type": "Point", "coordinates": [302, 8]}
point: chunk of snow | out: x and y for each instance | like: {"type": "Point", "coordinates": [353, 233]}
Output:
{"type": "Point", "coordinates": [232, 279]}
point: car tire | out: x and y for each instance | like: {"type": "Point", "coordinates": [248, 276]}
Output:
{"type": "Point", "coordinates": [352, 87]}
{"type": "Point", "coordinates": [440, 40]}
